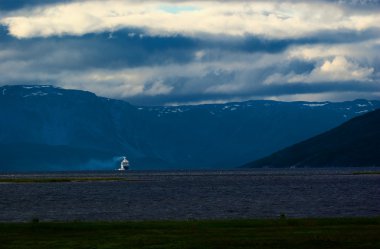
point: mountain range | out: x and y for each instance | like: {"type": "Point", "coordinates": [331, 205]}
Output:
{"type": "Point", "coordinates": [48, 128]}
{"type": "Point", "coordinates": [355, 143]}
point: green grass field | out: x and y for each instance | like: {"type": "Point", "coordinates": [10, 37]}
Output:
{"type": "Point", "coordinates": [281, 233]}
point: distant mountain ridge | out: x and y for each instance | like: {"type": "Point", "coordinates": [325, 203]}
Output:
{"type": "Point", "coordinates": [355, 143]}
{"type": "Point", "coordinates": [78, 127]}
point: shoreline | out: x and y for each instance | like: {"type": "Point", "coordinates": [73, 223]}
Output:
{"type": "Point", "coordinates": [128, 178]}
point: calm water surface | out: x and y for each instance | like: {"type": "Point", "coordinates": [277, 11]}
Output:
{"type": "Point", "coordinates": [193, 195]}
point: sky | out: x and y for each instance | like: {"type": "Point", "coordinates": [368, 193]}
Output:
{"type": "Point", "coordinates": [178, 52]}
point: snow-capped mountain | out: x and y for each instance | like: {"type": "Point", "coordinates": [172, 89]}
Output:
{"type": "Point", "coordinates": [44, 127]}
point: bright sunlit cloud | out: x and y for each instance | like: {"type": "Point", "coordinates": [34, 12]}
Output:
{"type": "Point", "coordinates": [268, 18]}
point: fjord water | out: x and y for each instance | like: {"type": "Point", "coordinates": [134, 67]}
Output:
{"type": "Point", "coordinates": [262, 193]}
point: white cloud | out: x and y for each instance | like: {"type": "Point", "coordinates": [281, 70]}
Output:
{"type": "Point", "coordinates": [341, 69]}
{"type": "Point", "coordinates": [267, 18]}
{"type": "Point", "coordinates": [158, 88]}
{"type": "Point", "coordinates": [337, 69]}
{"type": "Point", "coordinates": [327, 96]}
{"type": "Point", "coordinates": [313, 52]}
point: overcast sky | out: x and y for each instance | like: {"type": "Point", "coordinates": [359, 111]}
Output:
{"type": "Point", "coordinates": [188, 52]}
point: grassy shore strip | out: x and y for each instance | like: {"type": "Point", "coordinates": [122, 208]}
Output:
{"type": "Point", "coordinates": [64, 179]}
{"type": "Point", "coordinates": [366, 173]}
{"type": "Point", "coordinates": [280, 233]}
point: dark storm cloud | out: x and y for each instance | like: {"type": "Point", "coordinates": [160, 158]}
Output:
{"type": "Point", "coordinates": [105, 50]}
{"type": "Point", "coordinates": [10, 5]}
{"type": "Point", "coordinates": [360, 4]}
{"type": "Point", "coordinates": [4, 33]}
{"type": "Point", "coordinates": [260, 44]}
{"type": "Point", "coordinates": [134, 48]}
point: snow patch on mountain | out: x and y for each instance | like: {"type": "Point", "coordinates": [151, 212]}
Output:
{"type": "Point", "coordinates": [360, 112]}
{"type": "Point", "coordinates": [39, 93]}
{"type": "Point", "coordinates": [315, 104]}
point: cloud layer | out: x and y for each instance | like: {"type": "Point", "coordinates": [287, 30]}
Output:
{"type": "Point", "coordinates": [237, 18]}
{"type": "Point", "coordinates": [172, 52]}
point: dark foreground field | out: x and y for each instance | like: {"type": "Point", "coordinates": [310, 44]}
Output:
{"type": "Point", "coordinates": [279, 233]}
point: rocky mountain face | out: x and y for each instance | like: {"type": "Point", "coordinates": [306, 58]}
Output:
{"type": "Point", "coordinates": [48, 128]}
{"type": "Point", "coordinates": [355, 143]}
